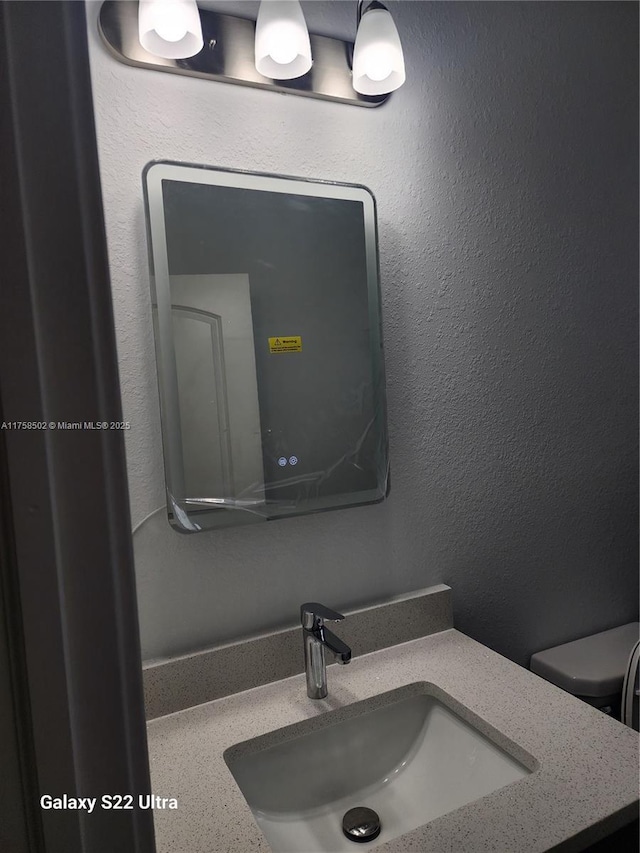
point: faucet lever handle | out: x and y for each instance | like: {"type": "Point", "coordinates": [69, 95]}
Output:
{"type": "Point", "coordinates": [313, 615]}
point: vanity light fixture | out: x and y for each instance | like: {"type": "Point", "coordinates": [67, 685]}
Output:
{"type": "Point", "coordinates": [378, 61]}
{"type": "Point", "coordinates": [275, 52]}
{"type": "Point", "coordinates": [283, 47]}
{"type": "Point", "coordinates": [170, 28]}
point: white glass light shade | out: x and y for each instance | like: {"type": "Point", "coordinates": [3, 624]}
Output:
{"type": "Point", "coordinates": [378, 61]}
{"type": "Point", "coordinates": [170, 28]}
{"type": "Point", "coordinates": [283, 48]}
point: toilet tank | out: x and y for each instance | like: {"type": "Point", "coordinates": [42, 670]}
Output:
{"type": "Point", "coordinates": [592, 668]}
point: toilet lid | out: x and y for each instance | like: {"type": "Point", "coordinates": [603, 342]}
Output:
{"type": "Point", "coordinates": [592, 666]}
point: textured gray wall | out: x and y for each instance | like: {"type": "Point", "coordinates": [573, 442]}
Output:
{"type": "Point", "coordinates": [505, 172]}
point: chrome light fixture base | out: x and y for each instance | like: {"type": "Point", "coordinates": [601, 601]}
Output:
{"type": "Point", "coordinates": [228, 56]}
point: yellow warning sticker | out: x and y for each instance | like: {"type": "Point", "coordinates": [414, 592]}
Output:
{"type": "Point", "coordinates": [288, 344]}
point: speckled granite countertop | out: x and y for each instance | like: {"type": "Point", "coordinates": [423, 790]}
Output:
{"type": "Point", "coordinates": [585, 787]}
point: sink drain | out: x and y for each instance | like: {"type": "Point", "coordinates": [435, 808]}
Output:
{"type": "Point", "coordinates": [361, 824]}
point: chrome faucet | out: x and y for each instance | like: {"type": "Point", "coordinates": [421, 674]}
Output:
{"type": "Point", "coordinates": [317, 638]}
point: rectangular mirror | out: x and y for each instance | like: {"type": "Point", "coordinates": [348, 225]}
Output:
{"type": "Point", "coordinates": [268, 342]}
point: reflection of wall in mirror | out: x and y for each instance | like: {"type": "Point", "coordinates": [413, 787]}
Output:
{"type": "Point", "coordinates": [217, 387]}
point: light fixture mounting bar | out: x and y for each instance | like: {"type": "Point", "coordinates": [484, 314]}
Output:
{"type": "Point", "coordinates": [228, 56]}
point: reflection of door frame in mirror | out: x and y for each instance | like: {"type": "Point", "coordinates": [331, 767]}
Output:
{"type": "Point", "coordinates": [214, 322]}
{"type": "Point", "coordinates": [225, 298]}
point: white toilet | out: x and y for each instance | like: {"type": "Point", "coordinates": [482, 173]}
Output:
{"type": "Point", "coordinates": [601, 669]}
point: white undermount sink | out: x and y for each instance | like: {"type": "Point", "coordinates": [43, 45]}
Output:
{"type": "Point", "coordinates": [406, 754]}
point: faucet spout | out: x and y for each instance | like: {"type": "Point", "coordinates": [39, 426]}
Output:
{"type": "Point", "coordinates": [340, 650]}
